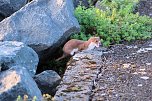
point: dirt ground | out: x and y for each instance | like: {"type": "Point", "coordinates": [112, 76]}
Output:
{"type": "Point", "coordinates": [145, 7]}
{"type": "Point", "coordinates": [125, 74]}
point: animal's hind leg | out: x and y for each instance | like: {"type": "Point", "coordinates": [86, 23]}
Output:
{"type": "Point", "coordinates": [63, 56]}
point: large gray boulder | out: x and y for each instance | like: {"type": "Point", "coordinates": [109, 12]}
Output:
{"type": "Point", "coordinates": [8, 7]}
{"type": "Point", "coordinates": [17, 81]}
{"type": "Point", "coordinates": [48, 81]}
{"type": "Point", "coordinates": [41, 24]}
{"type": "Point", "coordinates": [16, 53]}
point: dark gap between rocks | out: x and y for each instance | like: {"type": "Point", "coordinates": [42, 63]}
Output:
{"type": "Point", "coordinates": [2, 17]}
{"type": "Point", "coordinates": [51, 64]}
{"type": "Point", "coordinates": [4, 67]}
{"type": "Point", "coordinates": [95, 85]}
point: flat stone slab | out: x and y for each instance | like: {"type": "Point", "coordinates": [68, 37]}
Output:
{"type": "Point", "coordinates": [78, 79]}
{"type": "Point", "coordinates": [122, 73]}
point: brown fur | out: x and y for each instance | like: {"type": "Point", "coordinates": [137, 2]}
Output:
{"type": "Point", "coordinates": [74, 44]}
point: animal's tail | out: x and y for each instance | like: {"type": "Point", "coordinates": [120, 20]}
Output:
{"type": "Point", "coordinates": [63, 56]}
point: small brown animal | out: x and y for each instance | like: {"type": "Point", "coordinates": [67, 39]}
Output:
{"type": "Point", "coordinates": [74, 45]}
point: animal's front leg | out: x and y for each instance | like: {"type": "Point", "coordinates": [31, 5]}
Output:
{"type": "Point", "coordinates": [77, 52]}
{"type": "Point", "coordinates": [73, 52]}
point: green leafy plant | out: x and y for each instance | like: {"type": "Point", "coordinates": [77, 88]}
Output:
{"type": "Point", "coordinates": [19, 98]}
{"type": "Point", "coordinates": [114, 24]}
{"type": "Point", "coordinates": [25, 98]}
{"type": "Point", "coordinates": [58, 66]}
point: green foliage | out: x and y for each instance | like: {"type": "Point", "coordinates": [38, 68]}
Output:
{"type": "Point", "coordinates": [19, 98]}
{"type": "Point", "coordinates": [58, 66]}
{"type": "Point", "coordinates": [34, 98]}
{"type": "Point", "coordinates": [52, 64]}
{"type": "Point", "coordinates": [115, 23]}
{"type": "Point", "coordinates": [46, 97]}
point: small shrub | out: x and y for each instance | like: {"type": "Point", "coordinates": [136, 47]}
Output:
{"type": "Point", "coordinates": [58, 66]}
{"type": "Point", "coordinates": [19, 98]}
{"type": "Point", "coordinates": [115, 24]}
{"type": "Point", "coordinates": [25, 98]}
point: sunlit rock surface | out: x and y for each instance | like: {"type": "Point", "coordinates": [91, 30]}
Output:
{"type": "Point", "coordinates": [122, 73]}
{"type": "Point", "coordinates": [14, 53]}
{"type": "Point", "coordinates": [42, 24]}
{"type": "Point", "coordinates": [17, 81]}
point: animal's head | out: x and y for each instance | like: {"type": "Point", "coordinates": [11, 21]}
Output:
{"type": "Point", "coordinates": [95, 41]}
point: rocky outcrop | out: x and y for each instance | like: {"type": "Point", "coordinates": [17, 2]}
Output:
{"type": "Point", "coordinates": [144, 7]}
{"type": "Point", "coordinates": [123, 72]}
{"type": "Point", "coordinates": [42, 24]}
{"type": "Point", "coordinates": [17, 81]}
{"type": "Point", "coordinates": [77, 82]}
{"type": "Point", "coordinates": [48, 81]}
{"type": "Point", "coordinates": [17, 54]}
{"type": "Point", "coordinates": [81, 2]}
{"type": "Point", "coordinates": [86, 3]}
{"type": "Point", "coordinates": [8, 7]}
{"type": "Point", "coordinates": [100, 6]}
